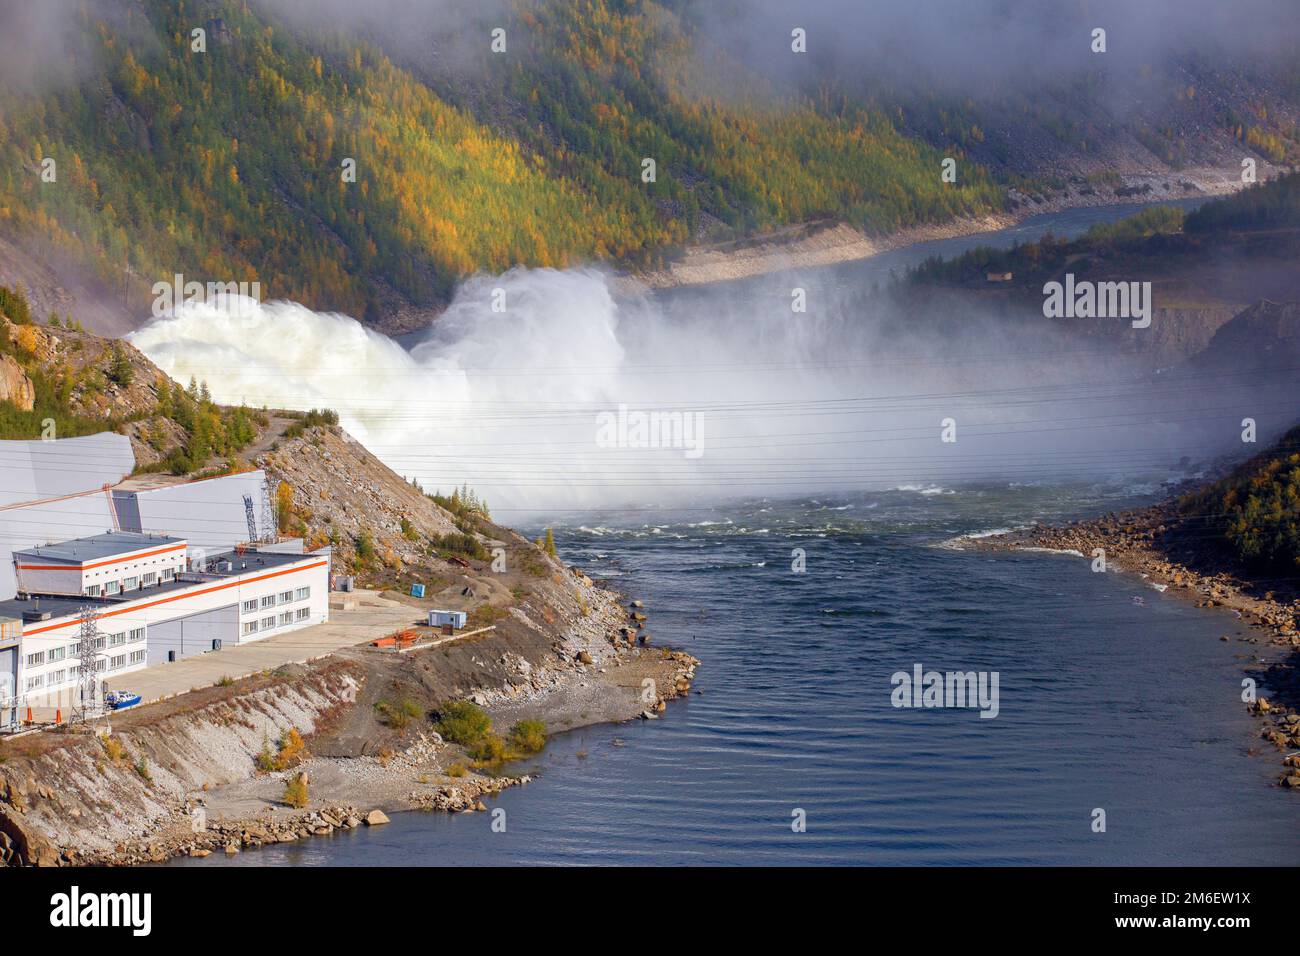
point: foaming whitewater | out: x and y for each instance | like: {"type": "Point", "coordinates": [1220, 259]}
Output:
{"type": "Point", "coordinates": [548, 391]}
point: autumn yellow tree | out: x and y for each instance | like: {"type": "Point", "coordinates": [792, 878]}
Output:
{"type": "Point", "coordinates": [284, 507]}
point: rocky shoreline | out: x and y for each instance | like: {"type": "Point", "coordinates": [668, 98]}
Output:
{"type": "Point", "coordinates": [425, 764]}
{"type": "Point", "coordinates": [183, 782]}
{"type": "Point", "coordinates": [818, 244]}
{"type": "Point", "coordinates": [1143, 541]}
{"type": "Point", "coordinates": [235, 836]}
{"type": "Point", "coordinates": [810, 245]}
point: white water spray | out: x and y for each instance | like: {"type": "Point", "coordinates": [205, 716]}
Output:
{"type": "Point", "coordinates": [841, 398]}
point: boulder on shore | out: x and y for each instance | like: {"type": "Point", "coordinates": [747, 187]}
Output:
{"type": "Point", "coordinates": [376, 817]}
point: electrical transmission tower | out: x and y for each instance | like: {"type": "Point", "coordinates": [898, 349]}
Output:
{"type": "Point", "coordinates": [270, 527]}
{"type": "Point", "coordinates": [90, 703]}
{"type": "Point", "coordinates": [251, 518]}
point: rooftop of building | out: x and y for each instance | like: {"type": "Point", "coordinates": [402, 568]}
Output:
{"type": "Point", "coordinates": [68, 605]}
{"type": "Point", "coordinates": [248, 561]}
{"type": "Point", "coordinates": [55, 605]}
{"type": "Point", "coordinates": [97, 546]}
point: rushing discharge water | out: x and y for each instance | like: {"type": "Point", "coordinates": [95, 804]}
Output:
{"type": "Point", "coordinates": [1111, 695]}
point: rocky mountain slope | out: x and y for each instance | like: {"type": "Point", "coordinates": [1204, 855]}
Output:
{"type": "Point", "coordinates": [1265, 336]}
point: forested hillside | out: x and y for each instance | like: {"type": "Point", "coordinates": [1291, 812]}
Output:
{"type": "Point", "coordinates": [616, 83]}
{"type": "Point", "coordinates": [1256, 509]}
{"type": "Point", "coordinates": [228, 164]}
{"type": "Point", "coordinates": [1274, 205]}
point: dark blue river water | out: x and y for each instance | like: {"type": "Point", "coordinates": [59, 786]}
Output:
{"type": "Point", "coordinates": [1131, 707]}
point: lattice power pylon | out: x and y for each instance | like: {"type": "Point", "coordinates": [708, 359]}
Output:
{"type": "Point", "coordinates": [90, 702]}
{"type": "Point", "coordinates": [251, 517]}
{"type": "Point", "coordinates": [270, 527]}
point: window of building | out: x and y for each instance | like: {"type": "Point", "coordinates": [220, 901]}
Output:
{"type": "Point", "coordinates": [58, 677]}
{"type": "Point", "coordinates": [116, 640]}
{"type": "Point", "coordinates": [58, 654]}
{"type": "Point", "coordinates": [111, 587]}
{"type": "Point", "coordinates": [137, 634]}
{"type": "Point", "coordinates": [100, 664]}
{"type": "Point", "coordinates": [302, 594]}
{"type": "Point", "coordinates": [116, 662]}
{"type": "Point", "coordinates": [35, 682]}
{"type": "Point", "coordinates": [286, 617]}
{"type": "Point", "coordinates": [303, 613]}
{"type": "Point", "coordinates": [130, 584]}
{"type": "Point", "coordinates": [168, 574]}
{"type": "Point", "coordinates": [286, 597]}
{"type": "Point", "coordinates": [250, 605]}
{"type": "Point", "coordinates": [92, 590]}
{"type": "Point", "coordinates": [99, 643]}
{"type": "Point", "coordinates": [137, 657]}
{"type": "Point", "coordinates": [150, 579]}
{"type": "Point", "coordinates": [34, 660]}
{"type": "Point", "coordinates": [268, 623]}
{"type": "Point", "coordinates": [250, 627]}
{"type": "Point", "coordinates": [268, 601]}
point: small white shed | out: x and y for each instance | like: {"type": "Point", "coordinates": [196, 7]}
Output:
{"type": "Point", "coordinates": [455, 618]}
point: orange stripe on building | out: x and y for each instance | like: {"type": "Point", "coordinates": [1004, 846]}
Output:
{"type": "Point", "coordinates": [176, 597]}
{"type": "Point", "coordinates": [101, 564]}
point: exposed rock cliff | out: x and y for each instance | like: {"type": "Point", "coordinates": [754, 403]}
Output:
{"type": "Point", "coordinates": [15, 386]}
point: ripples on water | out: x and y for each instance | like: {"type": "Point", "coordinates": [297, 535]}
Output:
{"type": "Point", "coordinates": [1104, 703]}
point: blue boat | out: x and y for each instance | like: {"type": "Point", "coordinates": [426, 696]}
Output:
{"type": "Point", "coordinates": [121, 699]}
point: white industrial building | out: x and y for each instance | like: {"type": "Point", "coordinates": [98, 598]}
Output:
{"type": "Point", "coordinates": [74, 488]}
{"type": "Point", "coordinates": [148, 606]}
{"type": "Point", "coordinates": [100, 566]}
{"type": "Point", "coordinates": [163, 569]}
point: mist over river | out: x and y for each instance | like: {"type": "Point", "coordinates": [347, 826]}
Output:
{"type": "Point", "coordinates": [821, 433]}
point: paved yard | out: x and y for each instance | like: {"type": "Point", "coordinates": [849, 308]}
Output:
{"type": "Point", "coordinates": [373, 617]}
